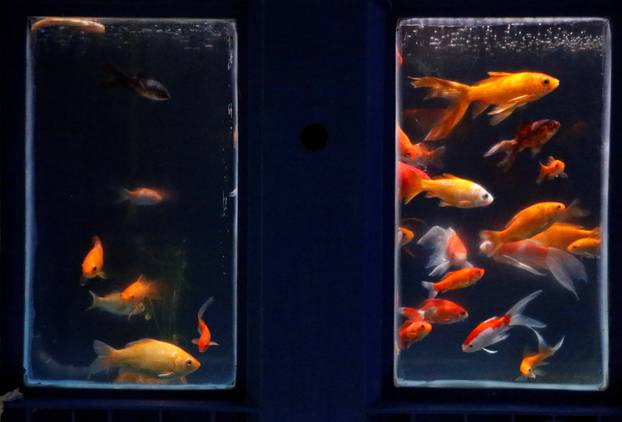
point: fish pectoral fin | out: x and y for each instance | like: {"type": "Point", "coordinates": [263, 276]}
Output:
{"type": "Point", "coordinates": [492, 352]}
{"type": "Point", "coordinates": [102, 274]}
{"type": "Point", "coordinates": [183, 380]}
{"type": "Point", "coordinates": [195, 341]}
{"type": "Point", "coordinates": [213, 343]}
{"type": "Point", "coordinates": [444, 204]}
{"type": "Point", "coordinates": [563, 175]}
{"type": "Point", "coordinates": [539, 372]}
{"type": "Point", "coordinates": [478, 108]}
{"type": "Point", "coordinates": [498, 118]}
{"type": "Point", "coordinates": [499, 339]}
{"type": "Point", "coordinates": [166, 375]}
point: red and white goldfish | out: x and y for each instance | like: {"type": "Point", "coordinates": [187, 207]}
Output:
{"type": "Point", "coordinates": [531, 256]}
{"type": "Point", "coordinates": [114, 304]}
{"type": "Point", "coordinates": [551, 170]}
{"type": "Point", "coordinates": [412, 331]}
{"type": "Point", "coordinates": [506, 91]}
{"type": "Point", "coordinates": [451, 190]}
{"type": "Point", "coordinates": [530, 221]}
{"type": "Point", "coordinates": [454, 280]}
{"type": "Point", "coordinates": [142, 196]}
{"type": "Point", "coordinates": [437, 311]}
{"type": "Point", "coordinates": [588, 247]}
{"type": "Point", "coordinates": [530, 135]}
{"type": "Point", "coordinates": [418, 154]}
{"type": "Point", "coordinates": [495, 329]}
{"type": "Point", "coordinates": [205, 336]}
{"type": "Point", "coordinates": [147, 356]}
{"type": "Point", "coordinates": [81, 24]}
{"type": "Point", "coordinates": [448, 250]}
{"type": "Point", "coordinates": [561, 235]}
{"type": "Point", "coordinates": [93, 263]}
{"type": "Point", "coordinates": [529, 366]}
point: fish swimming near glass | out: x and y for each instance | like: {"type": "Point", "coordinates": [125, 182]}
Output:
{"type": "Point", "coordinates": [148, 88]}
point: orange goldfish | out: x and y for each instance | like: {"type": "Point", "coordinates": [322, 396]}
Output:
{"type": "Point", "coordinates": [448, 250]}
{"type": "Point", "coordinates": [531, 221]}
{"type": "Point", "coordinates": [405, 236]}
{"type": "Point", "coordinates": [531, 256]}
{"type": "Point", "coordinates": [531, 362]}
{"type": "Point", "coordinates": [454, 280]}
{"type": "Point", "coordinates": [506, 91]}
{"type": "Point", "coordinates": [418, 154]}
{"type": "Point", "coordinates": [142, 196]}
{"type": "Point", "coordinates": [93, 263]}
{"type": "Point", "coordinates": [140, 290]}
{"type": "Point", "coordinates": [588, 247]}
{"type": "Point", "coordinates": [147, 356]}
{"type": "Point", "coordinates": [437, 311]}
{"type": "Point", "coordinates": [551, 170]}
{"type": "Point", "coordinates": [205, 336]}
{"type": "Point", "coordinates": [81, 24]}
{"type": "Point", "coordinates": [561, 235]}
{"type": "Point", "coordinates": [412, 331]}
{"type": "Point", "coordinates": [451, 190]}
{"type": "Point", "coordinates": [495, 329]}
{"type": "Point", "coordinates": [531, 136]}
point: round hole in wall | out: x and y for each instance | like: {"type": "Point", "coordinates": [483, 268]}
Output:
{"type": "Point", "coordinates": [314, 137]}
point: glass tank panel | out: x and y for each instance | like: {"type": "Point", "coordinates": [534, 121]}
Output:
{"type": "Point", "coordinates": [131, 203]}
{"type": "Point", "coordinates": [502, 145]}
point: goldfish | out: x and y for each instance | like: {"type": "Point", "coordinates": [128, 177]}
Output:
{"type": "Point", "coordinates": [561, 235]}
{"type": "Point", "coordinates": [142, 196]}
{"type": "Point", "coordinates": [81, 24]}
{"type": "Point", "coordinates": [437, 311]}
{"type": "Point", "coordinates": [454, 280]}
{"type": "Point", "coordinates": [506, 91]}
{"type": "Point", "coordinates": [448, 250]}
{"type": "Point", "coordinates": [532, 256]}
{"type": "Point", "coordinates": [145, 87]}
{"type": "Point", "coordinates": [451, 190]}
{"type": "Point", "coordinates": [405, 236]}
{"type": "Point", "coordinates": [128, 377]}
{"type": "Point", "coordinates": [412, 331]}
{"type": "Point", "coordinates": [530, 221]}
{"type": "Point", "coordinates": [205, 336]}
{"type": "Point", "coordinates": [418, 154]}
{"type": "Point", "coordinates": [398, 56]}
{"type": "Point", "coordinates": [146, 356]}
{"type": "Point", "coordinates": [529, 366]}
{"type": "Point", "coordinates": [551, 170]}
{"type": "Point", "coordinates": [93, 263]}
{"type": "Point", "coordinates": [140, 290]}
{"type": "Point", "coordinates": [588, 247]}
{"type": "Point", "coordinates": [495, 329]}
{"type": "Point", "coordinates": [114, 304]}
{"type": "Point", "coordinates": [530, 135]}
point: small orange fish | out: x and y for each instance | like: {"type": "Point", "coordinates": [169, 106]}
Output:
{"type": "Point", "coordinates": [531, 362]}
{"type": "Point", "coordinates": [561, 235]}
{"type": "Point", "coordinates": [495, 329]}
{"type": "Point", "coordinates": [140, 290]}
{"type": "Point", "coordinates": [93, 263]}
{"type": "Point", "coordinates": [506, 91]}
{"type": "Point", "coordinates": [81, 24]}
{"type": "Point", "coordinates": [143, 196]}
{"type": "Point", "coordinates": [448, 250]}
{"type": "Point", "coordinates": [418, 154]}
{"type": "Point", "coordinates": [454, 280]}
{"type": "Point", "coordinates": [205, 336]}
{"type": "Point", "coordinates": [588, 247]}
{"type": "Point", "coordinates": [412, 331]}
{"type": "Point", "coordinates": [551, 170]}
{"type": "Point", "coordinates": [437, 311]}
{"type": "Point", "coordinates": [530, 221]}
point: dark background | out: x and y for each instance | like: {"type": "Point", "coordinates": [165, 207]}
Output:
{"type": "Point", "coordinates": [316, 228]}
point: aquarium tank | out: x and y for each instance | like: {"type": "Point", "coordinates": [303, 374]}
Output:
{"type": "Point", "coordinates": [131, 203]}
{"type": "Point", "coordinates": [502, 144]}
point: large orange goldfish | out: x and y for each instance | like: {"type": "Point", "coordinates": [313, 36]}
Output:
{"type": "Point", "coordinates": [451, 190]}
{"type": "Point", "coordinates": [448, 250]}
{"type": "Point", "coordinates": [454, 280]}
{"type": "Point", "coordinates": [93, 263]}
{"type": "Point", "coordinates": [495, 329]}
{"type": "Point", "coordinates": [205, 336]}
{"type": "Point", "coordinates": [531, 221]}
{"type": "Point", "coordinates": [506, 91]}
{"type": "Point", "coordinates": [531, 362]}
{"type": "Point", "coordinates": [561, 235]}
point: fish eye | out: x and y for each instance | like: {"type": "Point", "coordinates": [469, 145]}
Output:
{"type": "Point", "coordinates": [485, 196]}
{"type": "Point", "coordinates": [470, 346]}
{"type": "Point", "coordinates": [94, 268]}
{"type": "Point", "coordinates": [559, 207]}
{"type": "Point", "coordinates": [546, 82]}
{"type": "Point", "coordinates": [189, 363]}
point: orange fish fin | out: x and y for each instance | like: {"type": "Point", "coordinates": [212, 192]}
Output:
{"type": "Point", "coordinates": [501, 115]}
{"type": "Point", "coordinates": [478, 108]}
{"type": "Point", "coordinates": [448, 176]}
{"type": "Point", "coordinates": [140, 341]}
{"type": "Point", "coordinates": [499, 74]}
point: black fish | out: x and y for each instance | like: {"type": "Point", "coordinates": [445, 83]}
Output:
{"type": "Point", "coordinates": [145, 87]}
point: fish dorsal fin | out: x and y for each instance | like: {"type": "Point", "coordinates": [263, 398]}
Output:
{"type": "Point", "coordinates": [490, 319]}
{"type": "Point", "coordinates": [141, 341]}
{"type": "Point", "coordinates": [446, 176]}
{"type": "Point", "coordinates": [492, 76]}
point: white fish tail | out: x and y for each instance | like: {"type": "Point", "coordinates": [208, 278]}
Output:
{"type": "Point", "coordinates": [105, 357]}
{"type": "Point", "coordinates": [517, 318]}
{"type": "Point", "coordinates": [95, 302]}
{"type": "Point", "coordinates": [436, 238]}
{"type": "Point", "coordinates": [565, 268]}
{"type": "Point", "coordinates": [124, 195]}
{"type": "Point", "coordinates": [203, 307]}
{"type": "Point", "coordinates": [430, 288]}
{"type": "Point", "coordinates": [543, 346]}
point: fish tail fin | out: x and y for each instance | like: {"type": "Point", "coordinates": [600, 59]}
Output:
{"type": "Point", "coordinates": [516, 316]}
{"type": "Point", "coordinates": [436, 159]}
{"type": "Point", "coordinates": [437, 238]}
{"type": "Point", "coordinates": [542, 174]}
{"type": "Point", "coordinates": [508, 148]}
{"type": "Point", "coordinates": [105, 357]}
{"type": "Point", "coordinates": [574, 210]}
{"type": "Point", "coordinates": [565, 268]}
{"type": "Point", "coordinates": [430, 288]}
{"type": "Point", "coordinates": [116, 76]}
{"type": "Point", "coordinates": [203, 307]}
{"type": "Point", "coordinates": [455, 91]}
{"type": "Point", "coordinates": [124, 195]}
{"type": "Point", "coordinates": [95, 301]}
{"type": "Point", "coordinates": [411, 313]}
{"type": "Point", "coordinates": [595, 232]}
{"type": "Point", "coordinates": [213, 343]}
{"type": "Point", "coordinates": [414, 188]}
{"type": "Point", "coordinates": [558, 346]}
